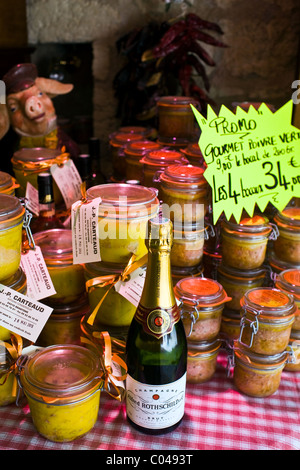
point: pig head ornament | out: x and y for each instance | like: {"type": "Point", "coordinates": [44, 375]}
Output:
{"type": "Point", "coordinates": [29, 109]}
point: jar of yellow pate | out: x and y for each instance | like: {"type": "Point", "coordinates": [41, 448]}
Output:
{"type": "Point", "coordinates": [202, 360]}
{"type": "Point", "coordinates": [62, 386]}
{"type": "Point", "coordinates": [267, 316]}
{"type": "Point", "coordinates": [188, 242]}
{"type": "Point", "coordinates": [18, 282]}
{"type": "Point", "coordinates": [63, 325]}
{"type": "Point", "coordinates": [123, 215]}
{"type": "Point", "coordinates": [237, 282]}
{"type": "Point", "coordinates": [202, 302]}
{"type": "Point", "coordinates": [8, 184]}
{"type": "Point", "coordinates": [12, 214]}
{"type": "Point", "coordinates": [184, 190]}
{"type": "Point", "coordinates": [67, 278]}
{"type": "Point", "coordinates": [287, 244]}
{"type": "Point", "coordinates": [244, 245]}
{"type": "Point", "coordinates": [289, 281]}
{"type": "Point", "coordinates": [294, 345]}
{"type": "Point", "coordinates": [27, 163]}
{"type": "Point", "coordinates": [8, 380]}
{"type": "Point", "coordinates": [117, 142]}
{"type": "Point", "coordinates": [176, 118]}
{"type": "Point", "coordinates": [134, 151]}
{"type": "Point", "coordinates": [258, 375]}
{"type": "Point", "coordinates": [194, 155]}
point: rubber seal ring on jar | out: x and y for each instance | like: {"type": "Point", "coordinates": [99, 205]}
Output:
{"type": "Point", "coordinates": [250, 323]}
{"type": "Point", "coordinates": [274, 234]}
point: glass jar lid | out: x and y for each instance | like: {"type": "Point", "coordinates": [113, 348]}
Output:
{"type": "Point", "coordinates": [258, 225]}
{"type": "Point", "coordinates": [6, 181]}
{"type": "Point", "coordinates": [125, 200]}
{"type": "Point", "coordinates": [141, 147]}
{"type": "Point", "coordinates": [259, 361]}
{"type": "Point", "coordinates": [268, 301]}
{"type": "Point", "coordinates": [184, 176]}
{"type": "Point", "coordinates": [245, 275]}
{"type": "Point", "coordinates": [181, 102]}
{"type": "Point", "coordinates": [203, 348]}
{"type": "Point", "coordinates": [35, 155]}
{"type": "Point", "coordinates": [145, 131]}
{"type": "Point", "coordinates": [288, 219]}
{"type": "Point", "coordinates": [120, 139]}
{"type": "Point", "coordinates": [278, 264]}
{"type": "Point", "coordinates": [61, 372]}
{"type": "Point", "coordinates": [56, 245]}
{"type": "Point", "coordinates": [163, 158]}
{"type": "Point", "coordinates": [200, 292]}
{"type": "Point", "coordinates": [289, 281]}
{"type": "Point", "coordinates": [11, 211]}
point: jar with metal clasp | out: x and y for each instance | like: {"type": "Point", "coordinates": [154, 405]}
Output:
{"type": "Point", "coordinates": [134, 151]}
{"type": "Point", "coordinates": [294, 345]}
{"type": "Point", "coordinates": [194, 155]}
{"type": "Point", "coordinates": [188, 242]}
{"type": "Point", "coordinates": [117, 142]}
{"type": "Point", "coordinates": [287, 244]}
{"type": "Point", "coordinates": [202, 360]}
{"type": "Point", "coordinates": [289, 281]}
{"type": "Point", "coordinates": [17, 282]}
{"type": "Point", "coordinates": [8, 184]}
{"type": "Point", "coordinates": [176, 119]}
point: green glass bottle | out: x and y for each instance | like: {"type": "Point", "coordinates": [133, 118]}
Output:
{"type": "Point", "coordinates": [156, 346]}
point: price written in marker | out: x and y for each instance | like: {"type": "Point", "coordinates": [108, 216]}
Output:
{"type": "Point", "coordinates": [252, 157]}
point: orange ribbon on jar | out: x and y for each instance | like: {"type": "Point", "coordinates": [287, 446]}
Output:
{"type": "Point", "coordinates": [15, 351]}
{"type": "Point", "coordinates": [36, 167]}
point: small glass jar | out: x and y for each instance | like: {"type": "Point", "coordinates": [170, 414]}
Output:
{"type": "Point", "coordinates": [277, 265]}
{"type": "Point", "coordinates": [294, 345]}
{"type": "Point", "coordinates": [237, 282]}
{"type": "Point", "coordinates": [156, 161]}
{"type": "Point", "coordinates": [179, 273]}
{"type": "Point", "coordinates": [146, 132]}
{"type": "Point", "coordinates": [287, 244]}
{"type": "Point", "coordinates": [184, 190]}
{"type": "Point", "coordinates": [63, 325]}
{"type": "Point", "coordinates": [12, 214]}
{"type": "Point", "coordinates": [117, 142]}
{"type": "Point", "coordinates": [123, 215]}
{"type": "Point", "coordinates": [8, 184]}
{"type": "Point", "coordinates": [188, 242]}
{"type": "Point", "coordinates": [211, 262]}
{"type": "Point", "coordinates": [115, 312]}
{"type": "Point", "coordinates": [62, 385]}
{"type": "Point", "coordinates": [7, 378]}
{"type": "Point", "coordinates": [202, 360]}
{"type": "Point", "coordinates": [289, 281]}
{"type": "Point", "coordinates": [202, 302]}
{"type": "Point", "coordinates": [230, 325]}
{"type": "Point", "coordinates": [267, 318]}
{"type": "Point", "coordinates": [27, 163]}
{"type": "Point", "coordinates": [244, 245]}
{"type": "Point", "coordinates": [258, 375]}
{"type": "Point", "coordinates": [67, 278]}
{"type": "Point", "coordinates": [18, 282]}
{"type": "Point", "coordinates": [176, 118]}
{"type": "Point", "coordinates": [134, 151]}
{"type": "Point", "coordinates": [194, 155]}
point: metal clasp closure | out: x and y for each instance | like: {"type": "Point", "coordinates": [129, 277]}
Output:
{"type": "Point", "coordinates": [251, 323]}
{"type": "Point", "coordinates": [274, 233]}
{"type": "Point", "coordinates": [193, 316]}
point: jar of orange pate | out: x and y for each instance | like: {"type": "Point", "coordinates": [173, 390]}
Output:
{"type": "Point", "coordinates": [188, 242]}
{"type": "Point", "coordinates": [176, 118]}
{"type": "Point", "coordinates": [294, 345]}
{"type": "Point", "coordinates": [8, 184]}
{"type": "Point", "coordinates": [194, 155]}
{"type": "Point", "coordinates": [202, 360]}
{"type": "Point", "coordinates": [287, 244]}
{"type": "Point", "coordinates": [117, 142]}
{"type": "Point", "coordinates": [134, 151]}
{"type": "Point", "coordinates": [289, 281]}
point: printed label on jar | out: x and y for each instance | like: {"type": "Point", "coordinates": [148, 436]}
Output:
{"type": "Point", "coordinates": [155, 406]}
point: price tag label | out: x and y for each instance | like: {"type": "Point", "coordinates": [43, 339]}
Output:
{"type": "Point", "coordinates": [21, 314]}
{"type": "Point", "coordinates": [39, 283]}
{"type": "Point", "coordinates": [252, 157]}
{"type": "Point", "coordinates": [32, 196]}
{"type": "Point", "coordinates": [68, 181]}
{"type": "Point", "coordinates": [85, 238]}
{"type": "Point", "coordinates": [132, 289]}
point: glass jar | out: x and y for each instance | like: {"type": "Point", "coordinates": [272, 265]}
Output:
{"type": "Point", "coordinates": [184, 190]}
{"type": "Point", "coordinates": [12, 214]}
{"type": "Point", "coordinates": [211, 262]}
{"type": "Point", "coordinates": [277, 265]}
{"type": "Point", "coordinates": [122, 220]}
{"type": "Point", "coordinates": [182, 272]}
{"type": "Point", "coordinates": [294, 345]}
{"type": "Point", "coordinates": [257, 375]}
{"type": "Point", "coordinates": [237, 282]}
{"type": "Point", "coordinates": [8, 184]}
{"type": "Point", "coordinates": [176, 118]}
{"type": "Point", "coordinates": [117, 142]}
{"type": "Point", "coordinates": [7, 378]}
{"type": "Point", "coordinates": [230, 325]}
{"type": "Point", "coordinates": [62, 386]}
{"type": "Point", "coordinates": [67, 278]}
{"type": "Point", "coordinates": [202, 302]}
{"type": "Point", "coordinates": [134, 151]}
{"type": "Point", "coordinates": [289, 281]}
{"type": "Point", "coordinates": [194, 155]}
{"type": "Point", "coordinates": [188, 242]}
{"type": "Point", "coordinates": [202, 360]}
{"type": "Point", "coordinates": [146, 132]}
{"type": "Point", "coordinates": [28, 162]}
{"type": "Point", "coordinates": [115, 311]}
{"type": "Point", "coordinates": [156, 161]}
{"type": "Point", "coordinates": [287, 244]}
{"type": "Point", "coordinates": [244, 245]}
{"type": "Point", "coordinates": [63, 325]}
{"type": "Point", "coordinates": [267, 318]}
{"type": "Point", "coordinates": [18, 282]}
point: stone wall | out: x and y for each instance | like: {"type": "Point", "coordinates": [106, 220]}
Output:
{"type": "Point", "coordinates": [259, 64]}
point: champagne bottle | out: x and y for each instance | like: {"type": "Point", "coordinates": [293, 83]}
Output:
{"type": "Point", "coordinates": [156, 347]}
{"type": "Point", "coordinates": [47, 218]}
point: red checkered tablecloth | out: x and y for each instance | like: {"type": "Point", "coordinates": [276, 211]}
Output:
{"type": "Point", "coordinates": [217, 417]}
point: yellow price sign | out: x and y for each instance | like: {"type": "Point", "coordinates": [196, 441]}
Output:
{"type": "Point", "coordinates": [252, 157]}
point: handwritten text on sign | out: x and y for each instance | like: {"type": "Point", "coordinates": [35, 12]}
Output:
{"type": "Point", "coordinates": [252, 157]}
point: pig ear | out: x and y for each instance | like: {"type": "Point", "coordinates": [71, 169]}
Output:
{"type": "Point", "coordinates": [53, 87]}
{"type": "Point", "coordinates": [4, 120]}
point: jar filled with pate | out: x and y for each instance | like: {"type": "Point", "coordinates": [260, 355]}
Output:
{"type": "Point", "coordinates": [202, 360]}
{"type": "Point", "coordinates": [176, 119]}
{"type": "Point", "coordinates": [134, 152]}
{"type": "Point", "coordinates": [287, 244]}
{"type": "Point", "coordinates": [289, 281]}
{"type": "Point", "coordinates": [188, 243]}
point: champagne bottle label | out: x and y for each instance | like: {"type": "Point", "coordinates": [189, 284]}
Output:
{"type": "Point", "coordinates": [157, 322]}
{"type": "Point", "coordinates": [155, 406]}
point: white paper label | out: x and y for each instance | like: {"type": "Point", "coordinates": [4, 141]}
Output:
{"type": "Point", "coordinates": [155, 406]}
{"type": "Point", "coordinates": [132, 289]}
{"type": "Point", "coordinates": [39, 283]}
{"type": "Point", "coordinates": [85, 239]}
{"type": "Point", "coordinates": [68, 180]}
{"type": "Point", "coordinates": [32, 196]}
{"type": "Point", "coordinates": [21, 314]}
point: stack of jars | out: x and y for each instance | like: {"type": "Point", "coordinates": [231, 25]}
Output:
{"type": "Point", "coordinates": [201, 303]}
{"type": "Point", "coordinates": [244, 248]}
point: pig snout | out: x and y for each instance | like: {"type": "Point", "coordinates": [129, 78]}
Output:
{"type": "Point", "coordinates": [34, 107]}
